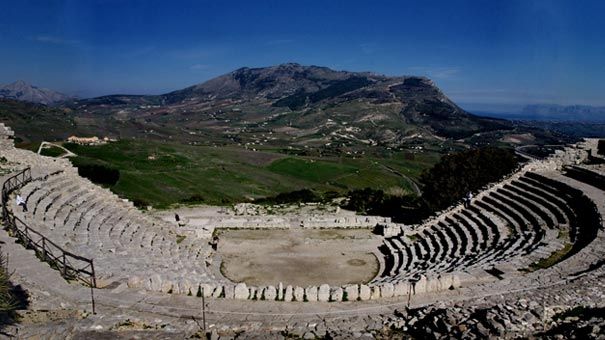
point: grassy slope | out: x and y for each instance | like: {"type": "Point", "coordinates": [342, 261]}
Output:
{"type": "Point", "coordinates": [35, 122]}
{"type": "Point", "coordinates": [161, 174]}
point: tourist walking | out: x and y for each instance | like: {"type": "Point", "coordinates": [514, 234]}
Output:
{"type": "Point", "coordinates": [21, 202]}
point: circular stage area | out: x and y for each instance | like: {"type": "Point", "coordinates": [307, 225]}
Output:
{"type": "Point", "coordinates": [300, 257]}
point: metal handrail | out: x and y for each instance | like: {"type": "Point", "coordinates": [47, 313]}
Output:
{"type": "Point", "coordinates": [46, 249]}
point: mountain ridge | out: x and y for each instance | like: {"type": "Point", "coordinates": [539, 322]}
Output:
{"type": "Point", "coordinates": [21, 90]}
{"type": "Point", "coordinates": [314, 107]}
{"type": "Point", "coordinates": [303, 102]}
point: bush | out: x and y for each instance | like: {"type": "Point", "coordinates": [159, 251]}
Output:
{"type": "Point", "coordinates": [99, 173]}
{"type": "Point", "coordinates": [457, 174]}
{"type": "Point", "coordinates": [52, 151]}
{"type": "Point", "coordinates": [140, 203]}
{"type": "Point", "coordinates": [297, 196]}
{"type": "Point", "coordinates": [11, 297]}
{"type": "Point", "coordinates": [408, 209]}
{"type": "Point", "coordinates": [193, 199]}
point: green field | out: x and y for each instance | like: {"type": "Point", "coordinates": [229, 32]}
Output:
{"type": "Point", "coordinates": [162, 174]}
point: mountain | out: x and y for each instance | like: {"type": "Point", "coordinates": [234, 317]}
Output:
{"type": "Point", "coordinates": [23, 91]}
{"type": "Point", "coordinates": [36, 122]}
{"type": "Point", "coordinates": [560, 112]}
{"type": "Point", "coordinates": [307, 106]}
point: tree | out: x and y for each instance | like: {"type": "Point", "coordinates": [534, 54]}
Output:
{"type": "Point", "coordinates": [457, 174]}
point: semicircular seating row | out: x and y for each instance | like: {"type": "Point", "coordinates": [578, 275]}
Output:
{"type": "Point", "coordinates": [123, 242]}
{"type": "Point", "coordinates": [505, 225]}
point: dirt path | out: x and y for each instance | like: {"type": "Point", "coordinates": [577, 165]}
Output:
{"type": "Point", "coordinates": [413, 184]}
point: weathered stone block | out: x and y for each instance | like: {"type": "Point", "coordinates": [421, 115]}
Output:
{"type": "Point", "coordinates": [155, 283]}
{"type": "Point", "coordinates": [352, 292]}
{"type": "Point", "coordinates": [336, 294]}
{"type": "Point", "coordinates": [187, 287]}
{"type": "Point", "coordinates": [176, 288]}
{"type": "Point", "coordinates": [323, 294]}
{"type": "Point", "coordinates": [289, 293]}
{"type": "Point", "coordinates": [166, 286]}
{"type": "Point", "coordinates": [311, 293]}
{"type": "Point", "coordinates": [387, 290]}
{"type": "Point", "coordinates": [270, 293]}
{"type": "Point", "coordinates": [207, 289]}
{"type": "Point", "coordinates": [241, 291]}
{"type": "Point", "coordinates": [229, 291]}
{"type": "Point", "coordinates": [218, 291]}
{"type": "Point", "coordinates": [135, 282]}
{"type": "Point", "coordinates": [456, 281]}
{"type": "Point", "coordinates": [446, 281]}
{"type": "Point", "coordinates": [401, 289]}
{"type": "Point", "coordinates": [420, 286]}
{"type": "Point", "coordinates": [280, 291]}
{"type": "Point", "coordinates": [299, 294]}
{"type": "Point", "coordinates": [375, 293]}
{"type": "Point", "coordinates": [364, 292]}
{"type": "Point", "coordinates": [433, 285]}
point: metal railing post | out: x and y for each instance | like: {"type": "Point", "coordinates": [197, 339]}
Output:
{"type": "Point", "coordinates": [64, 265]}
{"type": "Point", "coordinates": [92, 299]}
{"type": "Point", "coordinates": [94, 276]}
{"type": "Point", "coordinates": [44, 249]}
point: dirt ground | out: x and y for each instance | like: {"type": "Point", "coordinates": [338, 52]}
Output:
{"type": "Point", "coordinates": [299, 256]}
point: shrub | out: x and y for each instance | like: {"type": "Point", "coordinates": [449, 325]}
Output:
{"type": "Point", "coordinates": [140, 203]}
{"type": "Point", "coordinates": [52, 151]}
{"type": "Point", "coordinates": [11, 297]}
{"type": "Point", "coordinates": [456, 174]}
{"type": "Point", "coordinates": [193, 199]}
{"type": "Point", "coordinates": [401, 208]}
{"type": "Point", "coordinates": [297, 196]}
{"type": "Point", "coordinates": [98, 173]}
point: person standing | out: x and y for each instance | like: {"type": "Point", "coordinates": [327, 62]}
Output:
{"type": "Point", "coordinates": [22, 202]}
{"type": "Point", "coordinates": [469, 198]}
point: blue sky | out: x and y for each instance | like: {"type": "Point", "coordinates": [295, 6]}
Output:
{"type": "Point", "coordinates": [489, 55]}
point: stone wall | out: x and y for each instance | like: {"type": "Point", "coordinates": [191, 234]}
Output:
{"type": "Point", "coordinates": [289, 293]}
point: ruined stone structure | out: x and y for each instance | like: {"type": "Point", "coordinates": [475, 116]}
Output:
{"type": "Point", "coordinates": [501, 244]}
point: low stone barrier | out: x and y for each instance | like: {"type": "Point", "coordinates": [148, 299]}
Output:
{"type": "Point", "coordinates": [288, 293]}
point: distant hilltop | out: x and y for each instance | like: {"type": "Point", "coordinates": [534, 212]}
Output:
{"type": "Point", "coordinates": [21, 90]}
{"type": "Point", "coordinates": [313, 104]}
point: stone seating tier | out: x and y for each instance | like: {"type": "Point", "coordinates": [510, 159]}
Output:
{"type": "Point", "coordinates": [512, 224]}
{"type": "Point", "coordinates": [516, 227]}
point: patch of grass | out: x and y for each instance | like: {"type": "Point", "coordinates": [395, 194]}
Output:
{"type": "Point", "coordinates": [310, 170]}
{"type": "Point", "coordinates": [52, 151]}
{"type": "Point", "coordinates": [180, 238]}
{"type": "Point", "coordinates": [161, 174]}
{"type": "Point", "coordinates": [553, 259]}
{"type": "Point", "coordinates": [412, 237]}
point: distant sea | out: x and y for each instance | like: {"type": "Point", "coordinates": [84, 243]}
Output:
{"type": "Point", "coordinates": [567, 124]}
{"type": "Point", "coordinates": [543, 117]}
